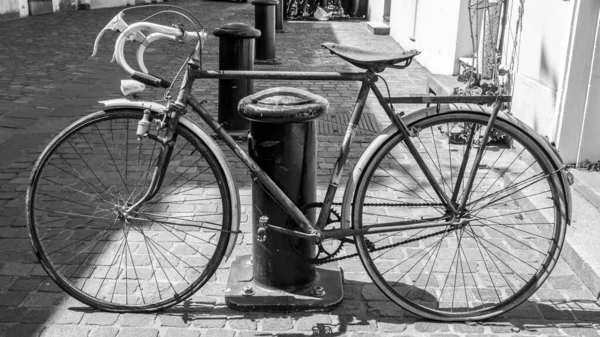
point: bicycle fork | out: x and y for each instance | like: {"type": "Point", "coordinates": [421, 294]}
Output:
{"type": "Point", "coordinates": [174, 111]}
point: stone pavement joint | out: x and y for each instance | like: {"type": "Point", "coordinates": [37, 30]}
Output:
{"type": "Point", "coordinates": [48, 80]}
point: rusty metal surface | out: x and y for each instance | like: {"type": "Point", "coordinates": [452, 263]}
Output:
{"type": "Point", "coordinates": [262, 298]}
{"type": "Point", "coordinates": [283, 105]}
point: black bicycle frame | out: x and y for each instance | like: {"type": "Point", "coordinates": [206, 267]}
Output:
{"type": "Point", "coordinates": [315, 232]}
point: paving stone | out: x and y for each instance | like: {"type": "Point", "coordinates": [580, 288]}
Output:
{"type": "Point", "coordinates": [5, 282]}
{"type": "Point", "coordinates": [209, 322]}
{"type": "Point", "coordinates": [384, 309]}
{"type": "Point", "coordinates": [42, 300]}
{"type": "Point", "coordinates": [307, 323]}
{"type": "Point", "coordinates": [100, 318]}
{"type": "Point", "coordinates": [277, 323]}
{"type": "Point", "coordinates": [219, 333]}
{"type": "Point", "coordinates": [36, 315]}
{"type": "Point", "coordinates": [174, 332]}
{"type": "Point", "coordinates": [395, 325]}
{"type": "Point", "coordinates": [352, 323]}
{"type": "Point", "coordinates": [577, 331]}
{"type": "Point", "coordinates": [137, 332]}
{"type": "Point", "coordinates": [29, 330]}
{"type": "Point", "coordinates": [141, 320]}
{"type": "Point", "coordinates": [28, 112]}
{"type": "Point", "coordinates": [16, 269]}
{"type": "Point", "coordinates": [174, 320]}
{"type": "Point", "coordinates": [243, 322]}
{"type": "Point", "coordinates": [66, 317]}
{"type": "Point", "coordinates": [104, 332]}
{"type": "Point", "coordinates": [245, 333]}
{"type": "Point", "coordinates": [372, 293]}
{"type": "Point", "coordinates": [65, 331]}
{"type": "Point", "coordinates": [11, 315]}
{"type": "Point", "coordinates": [12, 298]}
{"type": "Point", "coordinates": [26, 284]}
{"type": "Point", "coordinates": [430, 327]}
{"type": "Point", "coordinates": [468, 329]}
{"type": "Point", "coordinates": [552, 312]}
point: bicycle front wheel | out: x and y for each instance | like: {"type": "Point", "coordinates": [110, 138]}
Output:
{"type": "Point", "coordinates": [150, 259]}
{"type": "Point", "coordinates": [512, 227]}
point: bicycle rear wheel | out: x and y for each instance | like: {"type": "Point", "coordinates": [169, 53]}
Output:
{"type": "Point", "coordinates": [163, 252]}
{"type": "Point", "coordinates": [514, 225]}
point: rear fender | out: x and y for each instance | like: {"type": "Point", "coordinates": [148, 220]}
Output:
{"type": "Point", "coordinates": [122, 103]}
{"type": "Point", "coordinates": [411, 118]}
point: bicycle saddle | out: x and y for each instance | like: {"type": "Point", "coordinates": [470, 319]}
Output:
{"type": "Point", "coordinates": [367, 59]}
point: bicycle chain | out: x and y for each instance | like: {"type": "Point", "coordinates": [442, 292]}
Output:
{"type": "Point", "coordinates": [369, 243]}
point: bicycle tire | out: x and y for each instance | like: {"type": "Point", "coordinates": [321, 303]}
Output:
{"type": "Point", "coordinates": [168, 249]}
{"type": "Point", "coordinates": [504, 252]}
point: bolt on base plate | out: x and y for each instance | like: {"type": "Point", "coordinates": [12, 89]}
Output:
{"type": "Point", "coordinates": [325, 293]}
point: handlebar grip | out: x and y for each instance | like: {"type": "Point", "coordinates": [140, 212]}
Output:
{"type": "Point", "coordinates": [151, 80]}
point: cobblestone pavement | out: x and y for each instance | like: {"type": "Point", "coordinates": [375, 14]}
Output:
{"type": "Point", "coordinates": [47, 80]}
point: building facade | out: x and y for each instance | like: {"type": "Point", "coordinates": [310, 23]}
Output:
{"type": "Point", "coordinates": [548, 46]}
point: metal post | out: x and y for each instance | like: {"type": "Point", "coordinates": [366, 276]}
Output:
{"type": "Point", "coordinates": [279, 15]}
{"type": "Point", "coordinates": [236, 52]}
{"type": "Point", "coordinates": [264, 20]}
{"type": "Point", "coordinates": [283, 143]}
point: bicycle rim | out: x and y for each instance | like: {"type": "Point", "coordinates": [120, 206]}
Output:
{"type": "Point", "coordinates": [514, 227]}
{"type": "Point", "coordinates": [165, 252]}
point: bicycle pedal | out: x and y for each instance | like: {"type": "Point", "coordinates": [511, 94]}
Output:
{"type": "Point", "coordinates": [261, 231]}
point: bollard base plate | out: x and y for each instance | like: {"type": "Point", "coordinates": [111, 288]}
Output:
{"type": "Point", "coordinates": [276, 60]}
{"type": "Point", "coordinates": [268, 299]}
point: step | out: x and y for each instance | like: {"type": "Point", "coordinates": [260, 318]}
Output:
{"type": "Point", "coordinates": [582, 250]}
{"type": "Point", "coordinates": [379, 28]}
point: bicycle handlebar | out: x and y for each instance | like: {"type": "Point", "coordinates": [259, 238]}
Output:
{"type": "Point", "coordinates": [156, 32]}
{"type": "Point", "coordinates": [134, 32]}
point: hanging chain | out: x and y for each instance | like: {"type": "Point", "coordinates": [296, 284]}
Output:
{"type": "Point", "coordinates": [370, 245]}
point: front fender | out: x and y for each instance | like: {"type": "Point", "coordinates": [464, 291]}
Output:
{"type": "Point", "coordinates": [122, 103]}
{"type": "Point", "coordinates": [416, 116]}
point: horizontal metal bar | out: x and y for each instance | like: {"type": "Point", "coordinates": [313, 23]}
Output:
{"type": "Point", "coordinates": [431, 99]}
{"type": "Point", "coordinates": [279, 75]}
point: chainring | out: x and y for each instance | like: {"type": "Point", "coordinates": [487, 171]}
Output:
{"type": "Point", "coordinates": [326, 249]}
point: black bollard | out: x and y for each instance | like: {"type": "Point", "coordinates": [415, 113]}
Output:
{"type": "Point", "coordinates": [264, 20]}
{"type": "Point", "coordinates": [278, 276]}
{"type": "Point", "coordinates": [279, 14]}
{"type": "Point", "coordinates": [236, 52]}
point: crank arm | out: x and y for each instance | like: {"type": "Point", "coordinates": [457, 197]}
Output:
{"type": "Point", "coordinates": [316, 237]}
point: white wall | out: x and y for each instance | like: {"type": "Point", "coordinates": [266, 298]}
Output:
{"type": "Point", "coordinates": [9, 6]}
{"type": "Point", "coordinates": [440, 30]}
{"type": "Point", "coordinates": [537, 45]}
{"type": "Point", "coordinates": [375, 12]}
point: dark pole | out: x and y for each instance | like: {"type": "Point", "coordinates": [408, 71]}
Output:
{"type": "Point", "coordinates": [279, 14]}
{"type": "Point", "coordinates": [236, 52]}
{"type": "Point", "coordinates": [283, 142]}
{"type": "Point", "coordinates": [264, 20]}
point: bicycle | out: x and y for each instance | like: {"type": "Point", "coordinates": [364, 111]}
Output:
{"type": "Point", "coordinates": [133, 208]}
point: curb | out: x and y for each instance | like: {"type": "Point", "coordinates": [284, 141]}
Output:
{"type": "Point", "coordinates": [581, 248]}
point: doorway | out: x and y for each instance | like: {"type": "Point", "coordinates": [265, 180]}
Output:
{"type": "Point", "coordinates": [38, 7]}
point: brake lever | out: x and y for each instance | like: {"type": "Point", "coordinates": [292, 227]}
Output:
{"type": "Point", "coordinates": [117, 24]}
